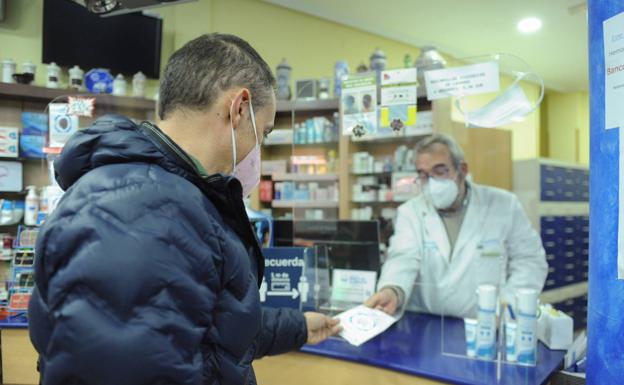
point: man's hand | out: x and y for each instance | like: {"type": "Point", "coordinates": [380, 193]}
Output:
{"type": "Point", "coordinates": [320, 327]}
{"type": "Point", "coordinates": [385, 300]}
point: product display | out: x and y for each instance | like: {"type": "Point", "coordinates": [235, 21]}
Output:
{"type": "Point", "coordinates": [120, 86]}
{"type": "Point", "coordinates": [341, 70]}
{"type": "Point", "coordinates": [282, 74]}
{"type": "Point", "coordinates": [34, 135]}
{"type": "Point", "coordinates": [32, 207]}
{"type": "Point", "coordinates": [526, 334]}
{"type": "Point", "coordinates": [8, 69]}
{"type": "Point", "coordinates": [9, 142]}
{"type": "Point", "coordinates": [53, 76]}
{"type": "Point", "coordinates": [486, 329]}
{"type": "Point", "coordinates": [76, 75]}
{"type": "Point", "coordinates": [138, 85]}
{"type": "Point", "coordinates": [99, 81]}
{"type": "Point", "coordinates": [61, 125]}
{"type": "Point", "coordinates": [11, 176]}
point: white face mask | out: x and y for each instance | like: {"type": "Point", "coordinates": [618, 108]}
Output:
{"type": "Point", "coordinates": [509, 107]}
{"type": "Point", "coordinates": [442, 193]}
{"type": "Point", "coordinates": [247, 171]}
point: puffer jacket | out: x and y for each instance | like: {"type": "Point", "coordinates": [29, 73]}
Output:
{"type": "Point", "coordinates": [147, 273]}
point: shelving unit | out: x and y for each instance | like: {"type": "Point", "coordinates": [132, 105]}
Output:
{"type": "Point", "coordinates": [555, 196]}
{"type": "Point", "coordinates": [24, 92]}
{"type": "Point", "coordinates": [18, 98]}
{"type": "Point", "coordinates": [305, 177]}
{"type": "Point", "coordinates": [305, 204]}
{"type": "Point", "coordinates": [494, 169]}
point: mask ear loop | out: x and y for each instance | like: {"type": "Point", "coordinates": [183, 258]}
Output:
{"type": "Point", "coordinates": [253, 122]}
{"type": "Point", "coordinates": [233, 140]}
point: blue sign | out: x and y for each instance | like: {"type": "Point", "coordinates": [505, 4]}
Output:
{"type": "Point", "coordinates": [284, 283]}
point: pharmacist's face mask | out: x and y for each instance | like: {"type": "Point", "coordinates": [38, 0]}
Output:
{"type": "Point", "coordinates": [247, 171]}
{"type": "Point", "coordinates": [441, 192]}
{"type": "Point", "coordinates": [509, 107]}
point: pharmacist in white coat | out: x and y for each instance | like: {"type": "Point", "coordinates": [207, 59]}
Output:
{"type": "Point", "coordinates": [455, 236]}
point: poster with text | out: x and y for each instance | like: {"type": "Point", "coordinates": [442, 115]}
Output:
{"type": "Point", "coordinates": [613, 30]}
{"type": "Point", "coordinates": [359, 104]}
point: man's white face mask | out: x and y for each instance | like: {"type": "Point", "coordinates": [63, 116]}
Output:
{"type": "Point", "coordinates": [509, 107]}
{"type": "Point", "coordinates": [442, 193]}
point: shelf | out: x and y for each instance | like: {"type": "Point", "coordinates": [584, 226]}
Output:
{"type": "Point", "coordinates": [46, 95]}
{"type": "Point", "coordinates": [304, 177]}
{"type": "Point", "coordinates": [321, 105]}
{"type": "Point", "coordinates": [319, 144]}
{"type": "Point", "coordinates": [388, 139]}
{"type": "Point", "coordinates": [378, 202]}
{"type": "Point", "coordinates": [372, 173]}
{"type": "Point", "coordinates": [305, 204]}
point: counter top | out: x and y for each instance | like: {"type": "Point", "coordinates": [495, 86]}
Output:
{"type": "Point", "coordinates": [414, 345]}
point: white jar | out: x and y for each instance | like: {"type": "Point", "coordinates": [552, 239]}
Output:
{"type": "Point", "coordinates": [29, 67]}
{"type": "Point", "coordinates": [138, 85]}
{"type": "Point", "coordinates": [54, 74]}
{"type": "Point", "coordinates": [76, 75]}
{"type": "Point", "coordinates": [8, 69]}
{"type": "Point", "coordinates": [120, 86]}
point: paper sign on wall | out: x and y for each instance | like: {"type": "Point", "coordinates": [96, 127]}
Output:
{"type": "Point", "coordinates": [461, 81]}
{"type": "Point", "coordinates": [359, 104]}
{"type": "Point", "coordinates": [613, 30]}
{"type": "Point", "coordinates": [398, 97]}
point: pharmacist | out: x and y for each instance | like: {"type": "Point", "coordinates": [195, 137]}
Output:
{"type": "Point", "coordinates": [454, 237]}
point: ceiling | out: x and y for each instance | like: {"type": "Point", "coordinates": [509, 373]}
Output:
{"type": "Point", "coordinates": [465, 28]}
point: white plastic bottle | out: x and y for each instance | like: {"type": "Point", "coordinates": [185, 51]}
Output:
{"type": "Point", "coordinates": [526, 333]}
{"type": "Point", "coordinates": [486, 329]}
{"type": "Point", "coordinates": [32, 207]}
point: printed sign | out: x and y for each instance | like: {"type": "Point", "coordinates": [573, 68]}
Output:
{"type": "Point", "coordinates": [353, 285]}
{"type": "Point", "coordinates": [284, 283]}
{"type": "Point", "coordinates": [62, 124]}
{"type": "Point", "coordinates": [80, 106]}
{"type": "Point", "coordinates": [399, 94]}
{"type": "Point", "coordinates": [461, 81]}
{"type": "Point", "coordinates": [613, 30]}
{"type": "Point", "coordinates": [359, 104]}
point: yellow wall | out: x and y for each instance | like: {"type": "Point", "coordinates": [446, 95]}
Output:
{"type": "Point", "coordinates": [311, 45]}
{"type": "Point", "coordinates": [20, 38]}
{"type": "Point", "coordinates": [567, 126]}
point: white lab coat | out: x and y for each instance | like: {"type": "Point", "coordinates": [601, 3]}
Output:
{"type": "Point", "coordinates": [496, 244]}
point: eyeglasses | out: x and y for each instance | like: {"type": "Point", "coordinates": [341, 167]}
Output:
{"type": "Point", "coordinates": [440, 171]}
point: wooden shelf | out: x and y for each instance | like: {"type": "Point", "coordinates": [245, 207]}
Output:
{"type": "Point", "coordinates": [379, 202]}
{"type": "Point", "coordinates": [46, 95]}
{"type": "Point", "coordinates": [304, 204]}
{"type": "Point", "coordinates": [304, 177]}
{"type": "Point", "coordinates": [319, 144]}
{"type": "Point", "coordinates": [389, 139]}
{"type": "Point", "coordinates": [321, 105]}
{"type": "Point", "coordinates": [372, 173]}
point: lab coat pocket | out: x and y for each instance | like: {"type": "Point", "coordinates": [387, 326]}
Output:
{"type": "Point", "coordinates": [490, 263]}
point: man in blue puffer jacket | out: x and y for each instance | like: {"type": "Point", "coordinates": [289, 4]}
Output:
{"type": "Point", "coordinates": [148, 270]}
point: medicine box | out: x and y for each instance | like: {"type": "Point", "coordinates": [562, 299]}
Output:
{"type": "Point", "coordinates": [9, 142]}
{"type": "Point", "coordinates": [11, 176]}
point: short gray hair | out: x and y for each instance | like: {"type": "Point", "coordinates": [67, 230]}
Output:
{"type": "Point", "coordinates": [203, 68]}
{"type": "Point", "coordinates": [426, 144]}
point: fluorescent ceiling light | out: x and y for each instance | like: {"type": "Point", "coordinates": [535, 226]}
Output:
{"type": "Point", "coordinates": [529, 25]}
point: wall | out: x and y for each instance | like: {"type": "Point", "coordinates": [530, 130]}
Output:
{"type": "Point", "coordinates": [567, 125]}
{"type": "Point", "coordinates": [311, 45]}
{"type": "Point", "coordinates": [20, 37]}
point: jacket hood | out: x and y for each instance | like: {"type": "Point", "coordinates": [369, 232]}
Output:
{"type": "Point", "coordinates": [112, 139]}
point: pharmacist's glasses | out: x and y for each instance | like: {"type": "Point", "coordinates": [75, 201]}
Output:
{"type": "Point", "coordinates": [440, 171]}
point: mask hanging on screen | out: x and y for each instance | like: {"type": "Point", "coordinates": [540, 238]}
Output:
{"type": "Point", "coordinates": [512, 105]}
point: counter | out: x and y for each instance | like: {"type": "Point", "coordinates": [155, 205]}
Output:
{"type": "Point", "coordinates": [409, 352]}
{"type": "Point", "coordinates": [413, 346]}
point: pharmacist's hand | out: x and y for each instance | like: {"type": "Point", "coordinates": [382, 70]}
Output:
{"type": "Point", "coordinates": [385, 300]}
{"type": "Point", "coordinates": [321, 327]}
